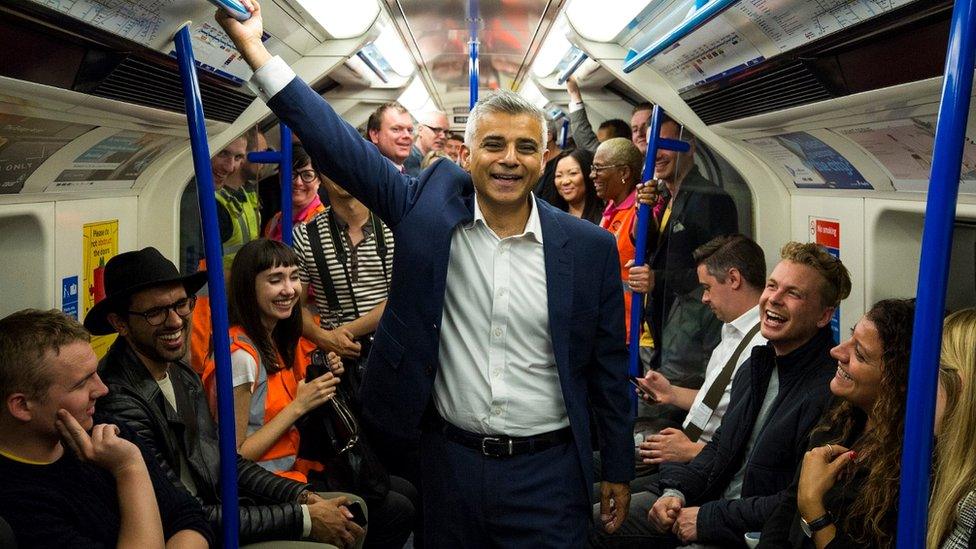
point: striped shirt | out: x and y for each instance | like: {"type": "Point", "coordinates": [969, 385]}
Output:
{"type": "Point", "coordinates": [363, 268]}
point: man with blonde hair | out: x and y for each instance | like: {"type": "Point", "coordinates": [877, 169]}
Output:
{"type": "Point", "coordinates": [736, 481]}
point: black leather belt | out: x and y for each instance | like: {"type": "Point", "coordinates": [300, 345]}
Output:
{"type": "Point", "coordinates": [500, 446]}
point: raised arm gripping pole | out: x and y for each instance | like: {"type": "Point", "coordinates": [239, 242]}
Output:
{"type": "Point", "coordinates": [284, 161]}
{"type": "Point", "coordinates": [215, 280]}
{"type": "Point", "coordinates": [654, 142]}
{"type": "Point", "coordinates": [933, 275]}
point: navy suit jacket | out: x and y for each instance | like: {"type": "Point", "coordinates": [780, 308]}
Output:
{"type": "Point", "coordinates": [582, 279]}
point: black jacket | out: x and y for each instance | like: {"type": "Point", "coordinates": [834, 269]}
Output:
{"type": "Point", "coordinates": [803, 394]}
{"type": "Point", "coordinates": [268, 509]}
{"type": "Point", "coordinates": [701, 211]}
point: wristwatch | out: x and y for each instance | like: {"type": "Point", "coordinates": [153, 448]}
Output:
{"type": "Point", "coordinates": [817, 524]}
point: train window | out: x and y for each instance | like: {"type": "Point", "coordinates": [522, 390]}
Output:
{"type": "Point", "coordinates": [897, 248]}
{"type": "Point", "coordinates": [27, 248]}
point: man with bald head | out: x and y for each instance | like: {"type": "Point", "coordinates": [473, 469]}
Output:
{"type": "Point", "coordinates": [432, 131]}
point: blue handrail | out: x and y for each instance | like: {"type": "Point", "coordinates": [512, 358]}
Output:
{"type": "Point", "coordinates": [215, 280]}
{"type": "Point", "coordinates": [284, 161]}
{"type": "Point", "coordinates": [569, 70]}
{"type": "Point", "coordinates": [564, 134]}
{"type": "Point", "coordinates": [654, 142]}
{"type": "Point", "coordinates": [380, 73]}
{"type": "Point", "coordinates": [701, 16]}
{"type": "Point", "coordinates": [933, 277]}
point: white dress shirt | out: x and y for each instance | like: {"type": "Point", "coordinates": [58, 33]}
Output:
{"type": "Point", "coordinates": [732, 334]}
{"type": "Point", "coordinates": [498, 372]}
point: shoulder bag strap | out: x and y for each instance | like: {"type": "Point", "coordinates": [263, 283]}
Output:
{"type": "Point", "coordinates": [717, 388]}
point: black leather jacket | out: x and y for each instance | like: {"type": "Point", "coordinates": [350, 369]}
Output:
{"type": "Point", "coordinates": [268, 508]}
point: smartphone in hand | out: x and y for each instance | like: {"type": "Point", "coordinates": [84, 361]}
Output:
{"type": "Point", "coordinates": [644, 394]}
{"type": "Point", "coordinates": [358, 514]}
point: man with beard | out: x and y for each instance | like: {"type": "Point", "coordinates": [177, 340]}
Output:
{"type": "Point", "coordinates": [155, 392]}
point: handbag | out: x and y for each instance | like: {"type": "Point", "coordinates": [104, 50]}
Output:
{"type": "Point", "coordinates": [331, 435]}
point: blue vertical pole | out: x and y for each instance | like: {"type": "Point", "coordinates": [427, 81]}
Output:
{"type": "Point", "coordinates": [474, 13]}
{"type": "Point", "coordinates": [933, 277]}
{"type": "Point", "coordinates": [473, 73]}
{"type": "Point", "coordinates": [640, 251]}
{"type": "Point", "coordinates": [284, 171]}
{"type": "Point", "coordinates": [654, 143]}
{"type": "Point", "coordinates": [564, 134]}
{"type": "Point", "coordinates": [215, 281]}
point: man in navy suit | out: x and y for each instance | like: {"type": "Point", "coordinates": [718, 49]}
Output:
{"type": "Point", "coordinates": [503, 329]}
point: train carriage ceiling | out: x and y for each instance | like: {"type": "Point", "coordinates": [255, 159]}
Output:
{"type": "Point", "coordinates": [437, 35]}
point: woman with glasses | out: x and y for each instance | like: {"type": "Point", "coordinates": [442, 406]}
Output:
{"type": "Point", "coordinates": [575, 187]}
{"type": "Point", "coordinates": [305, 201]}
{"type": "Point", "coordinates": [269, 360]}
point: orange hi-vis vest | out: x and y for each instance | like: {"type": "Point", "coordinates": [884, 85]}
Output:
{"type": "Point", "coordinates": [270, 394]}
{"type": "Point", "coordinates": [200, 327]}
{"type": "Point", "coordinates": [619, 220]}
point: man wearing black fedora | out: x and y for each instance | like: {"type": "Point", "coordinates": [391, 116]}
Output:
{"type": "Point", "coordinates": [154, 391]}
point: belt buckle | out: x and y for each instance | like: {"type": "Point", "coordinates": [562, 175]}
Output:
{"type": "Point", "coordinates": [501, 449]}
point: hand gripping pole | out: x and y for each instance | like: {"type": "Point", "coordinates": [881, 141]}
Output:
{"type": "Point", "coordinates": [654, 143]}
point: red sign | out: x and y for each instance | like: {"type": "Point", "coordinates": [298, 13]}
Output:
{"type": "Point", "coordinates": [826, 233]}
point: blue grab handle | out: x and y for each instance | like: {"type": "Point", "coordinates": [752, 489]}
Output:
{"type": "Point", "coordinates": [564, 76]}
{"type": "Point", "coordinates": [933, 275]}
{"type": "Point", "coordinates": [284, 161]}
{"type": "Point", "coordinates": [286, 180]}
{"type": "Point", "coordinates": [234, 8]}
{"type": "Point", "coordinates": [215, 280]}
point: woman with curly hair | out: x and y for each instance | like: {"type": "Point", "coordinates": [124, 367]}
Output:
{"type": "Point", "coordinates": [846, 493]}
{"type": "Point", "coordinates": [952, 510]}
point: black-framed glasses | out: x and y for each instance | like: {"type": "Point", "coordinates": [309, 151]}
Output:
{"type": "Point", "coordinates": [435, 129]}
{"type": "Point", "coordinates": [307, 175]}
{"type": "Point", "coordinates": [598, 168]}
{"type": "Point", "coordinates": [157, 315]}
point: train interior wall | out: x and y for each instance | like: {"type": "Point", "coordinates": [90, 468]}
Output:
{"type": "Point", "coordinates": [41, 231]}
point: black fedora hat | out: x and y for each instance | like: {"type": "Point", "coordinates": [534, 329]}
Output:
{"type": "Point", "coordinates": [130, 272]}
